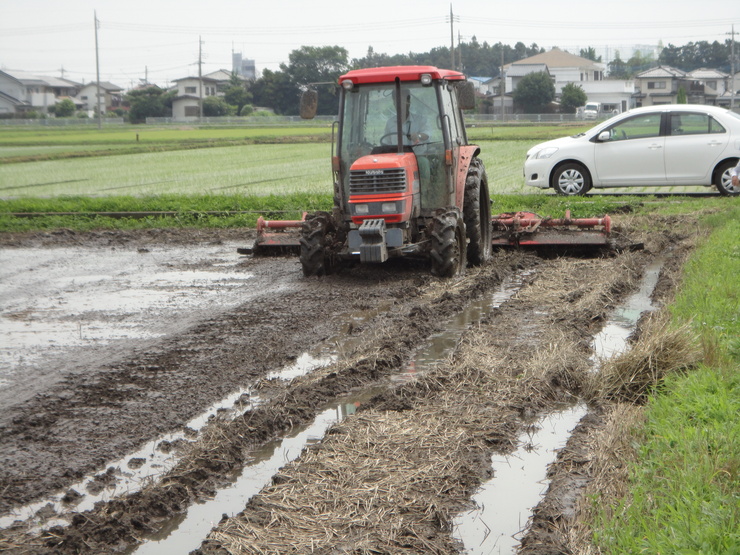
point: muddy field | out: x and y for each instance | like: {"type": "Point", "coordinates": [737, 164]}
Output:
{"type": "Point", "coordinates": [118, 348]}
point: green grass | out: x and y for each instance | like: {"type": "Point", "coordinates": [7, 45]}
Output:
{"type": "Point", "coordinates": [684, 489]}
{"type": "Point", "coordinates": [204, 211]}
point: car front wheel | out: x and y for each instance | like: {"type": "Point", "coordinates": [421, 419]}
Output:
{"type": "Point", "coordinates": [571, 179]}
{"type": "Point", "coordinates": [723, 179]}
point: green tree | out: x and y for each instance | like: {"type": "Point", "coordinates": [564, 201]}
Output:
{"type": "Point", "coordinates": [590, 54]}
{"type": "Point", "coordinates": [64, 108]}
{"type": "Point", "coordinates": [151, 102]}
{"type": "Point", "coordinates": [277, 90]}
{"type": "Point", "coordinates": [681, 96]}
{"type": "Point", "coordinates": [571, 97]}
{"type": "Point", "coordinates": [534, 92]}
{"type": "Point", "coordinates": [215, 106]}
{"type": "Point", "coordinates": [322, 64]}
{"type": "Point", "coordinates": [236, 93]}
{"type": "Point", "coordinates": [618, 68]}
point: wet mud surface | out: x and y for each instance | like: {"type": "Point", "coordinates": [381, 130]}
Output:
{"type": "Point", "coordinates": [71, 407]}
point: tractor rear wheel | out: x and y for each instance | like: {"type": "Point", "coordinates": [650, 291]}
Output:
{"type": "Point", "coordinates": [448, 243]}
{"type": "Point", "coordinates": [477, 214]}
{"type": "Point", "coordinates": [314, 256]}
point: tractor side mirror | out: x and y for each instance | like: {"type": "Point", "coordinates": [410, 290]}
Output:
{"type": "Point", "coordinates": [466, 96]}
{"type": "Point", "coordinates": [309, 104]}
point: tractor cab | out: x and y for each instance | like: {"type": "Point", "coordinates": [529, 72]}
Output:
{"type": "Point", "coordinates": [398, 131]}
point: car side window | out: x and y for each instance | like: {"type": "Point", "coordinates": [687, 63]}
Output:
{"type": "Point", "coordinates": [693, 124]}
{"type": "Point", "coordinates": [638, 127]}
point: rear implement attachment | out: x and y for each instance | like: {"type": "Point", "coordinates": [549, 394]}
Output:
{"type": "Point", "coordinates": [274, 238]}
{"type": "Point", "coordinates": [526, 229]}
{"type": "Point", "coordinates": [529, 229]}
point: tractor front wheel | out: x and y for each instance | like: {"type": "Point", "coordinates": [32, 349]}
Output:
{"type": "Point", "coordinates": [448, 243]}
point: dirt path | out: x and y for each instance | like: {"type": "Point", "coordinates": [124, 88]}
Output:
{"type": "Point", "coordinates": [91, 404]}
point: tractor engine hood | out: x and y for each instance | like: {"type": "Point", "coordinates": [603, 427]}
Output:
{"type": "Point", "coordinates": [383, 186]}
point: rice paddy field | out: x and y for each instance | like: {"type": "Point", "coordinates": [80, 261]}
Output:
{"type": "Point", "coordinates": [677, 463]}
{"type": "Point", "coordinates": [242, 161]}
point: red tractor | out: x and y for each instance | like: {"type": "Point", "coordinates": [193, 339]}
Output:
{"type": "Point", "coordinates": [406, 181]}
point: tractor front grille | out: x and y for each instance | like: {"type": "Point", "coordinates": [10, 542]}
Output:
{"type": "Point", "coordinates": [377, 182]}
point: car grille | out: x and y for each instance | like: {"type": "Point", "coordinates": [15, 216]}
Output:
{"type": "Point", "coordinates": [377, 182]}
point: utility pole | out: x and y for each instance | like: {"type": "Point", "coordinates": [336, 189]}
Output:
{"type": "Point", "coordinates": [452, 40]}
{"type": "Point", "coordinates": [459, 50]}
{"type": "Point", "coordinates": [200, 77]}
{"type": "Point", "coordinates": [732, 69]}
{"type": "Point", "coordinates": [97, 70]}
{"type": "Point", "coordinates": [502, 87]}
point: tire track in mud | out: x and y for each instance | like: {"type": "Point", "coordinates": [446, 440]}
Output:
{"type": "Point", "coordinates": [390, 338]}
{"type": "Point", "coordinates": [223, 345]}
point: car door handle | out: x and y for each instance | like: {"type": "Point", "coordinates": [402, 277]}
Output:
{"type": "Point", "coordinates": [715, 143]}
{"type": "Point", "coordinates": [654, 146]}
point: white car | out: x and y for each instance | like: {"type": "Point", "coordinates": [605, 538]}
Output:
{"type": "Point", "coordinates": [667, 145]}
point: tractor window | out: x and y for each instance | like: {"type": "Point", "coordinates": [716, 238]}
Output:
{"type": "Point", "coordinates": [370, 123]}
{"type": "Point", "coordinates": [450, 108]}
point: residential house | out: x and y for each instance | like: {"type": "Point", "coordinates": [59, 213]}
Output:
{"type": "Point", "coordinates": [12, 94]}
{"type": "Point", "coordinates": [660, 85]}
{"type": "Point", "coordinates": [707, 86]}
{"type": "Point", "coordinates": [21, 91]}
{"type": "Point", "coordinates": [190, 91]}
{"type": "Point", "coordinates": [514, 74]}
{"type": "Point", "coordinates": [563, 67]}
{"type": "Point", "coordinates": [111, 96]}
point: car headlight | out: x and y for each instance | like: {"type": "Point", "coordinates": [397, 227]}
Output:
{"type": "Point", "coordinates": [546, 152]}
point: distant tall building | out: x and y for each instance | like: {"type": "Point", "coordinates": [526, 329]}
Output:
{"type": "Point", "coordinates": [242, 66]}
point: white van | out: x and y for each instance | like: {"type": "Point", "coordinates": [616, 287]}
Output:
{"type": "Point", "coordinates": [591, 110]}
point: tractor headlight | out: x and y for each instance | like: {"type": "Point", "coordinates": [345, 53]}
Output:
{"type": "Point", "coordinates": [546, 152]}
{"type": "Point", "coordinates": [388, 208]}
{"type": "Point", "coordinates": [362, 209]}
{"type": "Point", "coordinates": [426, 79]}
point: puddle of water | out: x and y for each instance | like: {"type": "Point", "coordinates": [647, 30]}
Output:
{"type": "Point", "coordinates": [612, 339]}
{"type": "Point", "coordinates": [154, 462]}
{"type": "Point", "coordinates": [188, 531]}
{"type": "Point", "coordinates": [303, 365]}
{"type": "Point", "coordinates": [439, 346]}
{"type": "Point", "coordinates": [505, 503]}
{"type": "Point", "coordinates": [54, 301]}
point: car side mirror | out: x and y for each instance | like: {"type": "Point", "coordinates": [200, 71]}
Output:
{"type": "Point", "coordinates": [309, 104]}
{"type": "Point", "coordinates": [605, 136]}
{"type": "Point", "coordinates": [466, 96]}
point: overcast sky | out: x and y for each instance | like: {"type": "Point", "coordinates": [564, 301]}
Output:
{"type": "Point", "coordinates": [160, 38]}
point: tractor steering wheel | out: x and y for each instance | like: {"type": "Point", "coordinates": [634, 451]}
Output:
{"type": "Point", "coordinates": [387, 136]}
{"type": "Point", "coordinates": [420, 136]}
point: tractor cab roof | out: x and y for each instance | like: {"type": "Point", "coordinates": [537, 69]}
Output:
{"type": "Point", "coordinates": [402, 73]}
